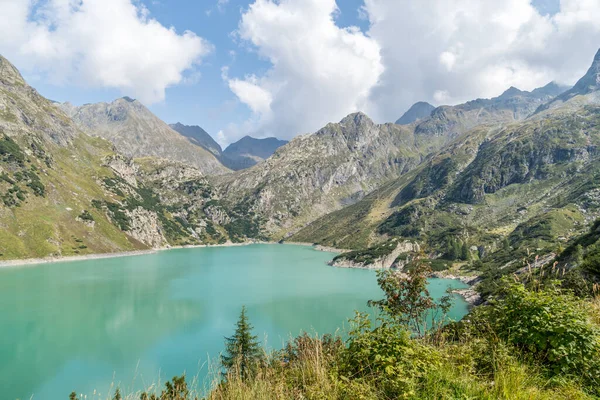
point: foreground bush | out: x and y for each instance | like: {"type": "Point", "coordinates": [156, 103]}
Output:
{"type": "Point", "coordinates": [551, 325]}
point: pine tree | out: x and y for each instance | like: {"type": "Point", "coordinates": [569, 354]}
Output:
{"type": "Point", "coordinates": [242, 350]}
{"type": "Point", "coordinates": [465, 254]}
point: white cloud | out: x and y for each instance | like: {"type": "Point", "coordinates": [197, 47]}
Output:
{"type": "Point", "coordinates": [450, 51]}
{"type": "Point", "coordinates": [99, 43]}
{"type": "Point", "coordinates": [442, 51]}
{"type": "Point", "coordinates": [320, 72]}
{"type": "Point", "coordinates": [250, 92]}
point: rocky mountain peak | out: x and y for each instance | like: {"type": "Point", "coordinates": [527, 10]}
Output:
{"type": "Point", "coordinates": [589, 83]}
{"type": "Point", "coordinates": [357, 119]}
{"type": "Point", "coordinates": [551, 89]}
{"type": "Point", "coordinates": [416, 112]}
{"type": "Point", "coordinates": [512, 92]}
{"type": "Point", "coordinates": [9, 74]}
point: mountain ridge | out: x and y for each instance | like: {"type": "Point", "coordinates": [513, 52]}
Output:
{"type": "Point", "coordinates": [137, 132]}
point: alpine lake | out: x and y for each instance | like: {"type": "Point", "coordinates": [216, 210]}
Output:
{"type": "Point", "coordinates": [90, 326]}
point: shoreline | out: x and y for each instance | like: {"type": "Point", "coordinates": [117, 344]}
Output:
{"type": "Point", "coordinates": [131, 253]}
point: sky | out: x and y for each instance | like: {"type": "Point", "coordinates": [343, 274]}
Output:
{"type": "Point", "coordinates": [287, 67]}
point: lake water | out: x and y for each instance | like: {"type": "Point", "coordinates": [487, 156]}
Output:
{"type": "Point", "coordinates": [134, 320]}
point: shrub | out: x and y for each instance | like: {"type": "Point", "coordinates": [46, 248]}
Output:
{"type": "Point", "coordinates": [385, 356]}
{"type": "Point", "coordinates": [407, 301]}
{"type": "Point", "coordinates": [551, 325]}
{"type": "Point", "coordinates": [86, 216]}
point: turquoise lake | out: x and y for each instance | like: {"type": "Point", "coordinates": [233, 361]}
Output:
{"type": "Point", "coordinates": [131, 321]}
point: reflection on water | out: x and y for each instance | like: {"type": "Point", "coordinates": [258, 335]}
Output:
{"type": "Point", "coordinates": [79, 325]}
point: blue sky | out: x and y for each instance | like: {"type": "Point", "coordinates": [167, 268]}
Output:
{"type": "Point", "coordinates": [207, 101]}
{"type": "Point", "coordinates": [286, 78]}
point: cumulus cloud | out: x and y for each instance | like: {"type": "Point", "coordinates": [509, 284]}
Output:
{"type": "Point", "coordinates": [441, 51]}
{"type": "Point", "coordinates": [451, 51]}
{"type": "Point", "coordinates": [320, 72]}
{"type": "Point", "coordinates": [99, 43]}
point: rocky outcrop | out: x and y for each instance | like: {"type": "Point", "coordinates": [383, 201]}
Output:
{"type": "Point", "coordinates": [383, 262]}
{"type": "Point", "coordinates": [471, 296]}
{"type": "Point", "coordinates": [125, 168]}
{"type": "Point", "coordinates": [144, 227]}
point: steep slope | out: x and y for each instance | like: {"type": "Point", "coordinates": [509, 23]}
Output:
{"type": "Point", "coordinates": [249, 151]}
{"type": "Point", "coordinates": [587, 87]}
{"type": "Point", "coordinates": [415, 113]}
{"type": "Point", "coordinates": [502, 192]}
{"type": "Point", "coordinates": [48, 171]}
{"type": "Point", "coordinates": [63, 192]}
{"type": "Point", "coordinates": [317, 173]}
{"type": "Point", "coordinates": [136, 132]}
{"type": "Point", "coordinates": [199, 137]}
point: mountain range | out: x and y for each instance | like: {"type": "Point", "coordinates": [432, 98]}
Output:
{"type": "Point", "coordinates": [519, 171]}
{"type": "Point", "coordinates": [242, 154]}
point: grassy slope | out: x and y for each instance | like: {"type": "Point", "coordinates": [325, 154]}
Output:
{"type": "Point", "coordinates": [43, 226]}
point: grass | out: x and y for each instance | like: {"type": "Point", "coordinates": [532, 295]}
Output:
{"type": "Point", "coordinates": [315, 375]}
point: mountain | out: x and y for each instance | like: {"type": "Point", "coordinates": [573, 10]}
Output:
{"type": "Point", "coordinates": [198, 136]}
{"type": "Point", "coordinates": [588, 86]}
{"type": "Point", "coordinates": [249, 151]}
{"type": "Point", "coordinates": [513, 105]}
{"type": "Point", "coordinates": [505, 192]}
{"type": "Point", "coordinates": [317, 173]}
{"type": "Point", "coordinates": [137, 132]}
{"type": "Point", "coordinates": [416, 112]}
{"type": "Point", "coordinates": [64, 192]}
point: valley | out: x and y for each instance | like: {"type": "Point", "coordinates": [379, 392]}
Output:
{"type": "Point", "coordinates": [459, 197]}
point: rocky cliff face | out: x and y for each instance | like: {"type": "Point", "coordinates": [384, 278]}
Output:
{"type": "Point", "coordinates": [136, 132]}
{"type": "Point", "coordinates": [388, 259]}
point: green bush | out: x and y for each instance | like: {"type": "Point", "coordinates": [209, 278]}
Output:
{"type": "Point", "coordinates": [10, 150]}
{"type": "Point", "coordinates": [386, 357]}
{"type": "Point", "coordinates": [86, 216]}
{"type": "Point", "coordinates": [551, 325]}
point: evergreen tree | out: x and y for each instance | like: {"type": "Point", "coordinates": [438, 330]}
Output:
{"type": "Point", "coordinates": [242, 350]}
{"type": "Point", "coordinates": [453, 250]}
{"type": "Point", "coordinates": [465, 254]}
{"type": "Point", "coordinates": [118, 395]}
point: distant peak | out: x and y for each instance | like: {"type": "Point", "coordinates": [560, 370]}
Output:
{"type": "Point", "coordinates": [128, 99]}
{"type": "Point", "coordinates": [511, 92]}
{"type": "Point", "coordinates": [357, 118]}
{"type": "Point", "coordinates": [417, 111]}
